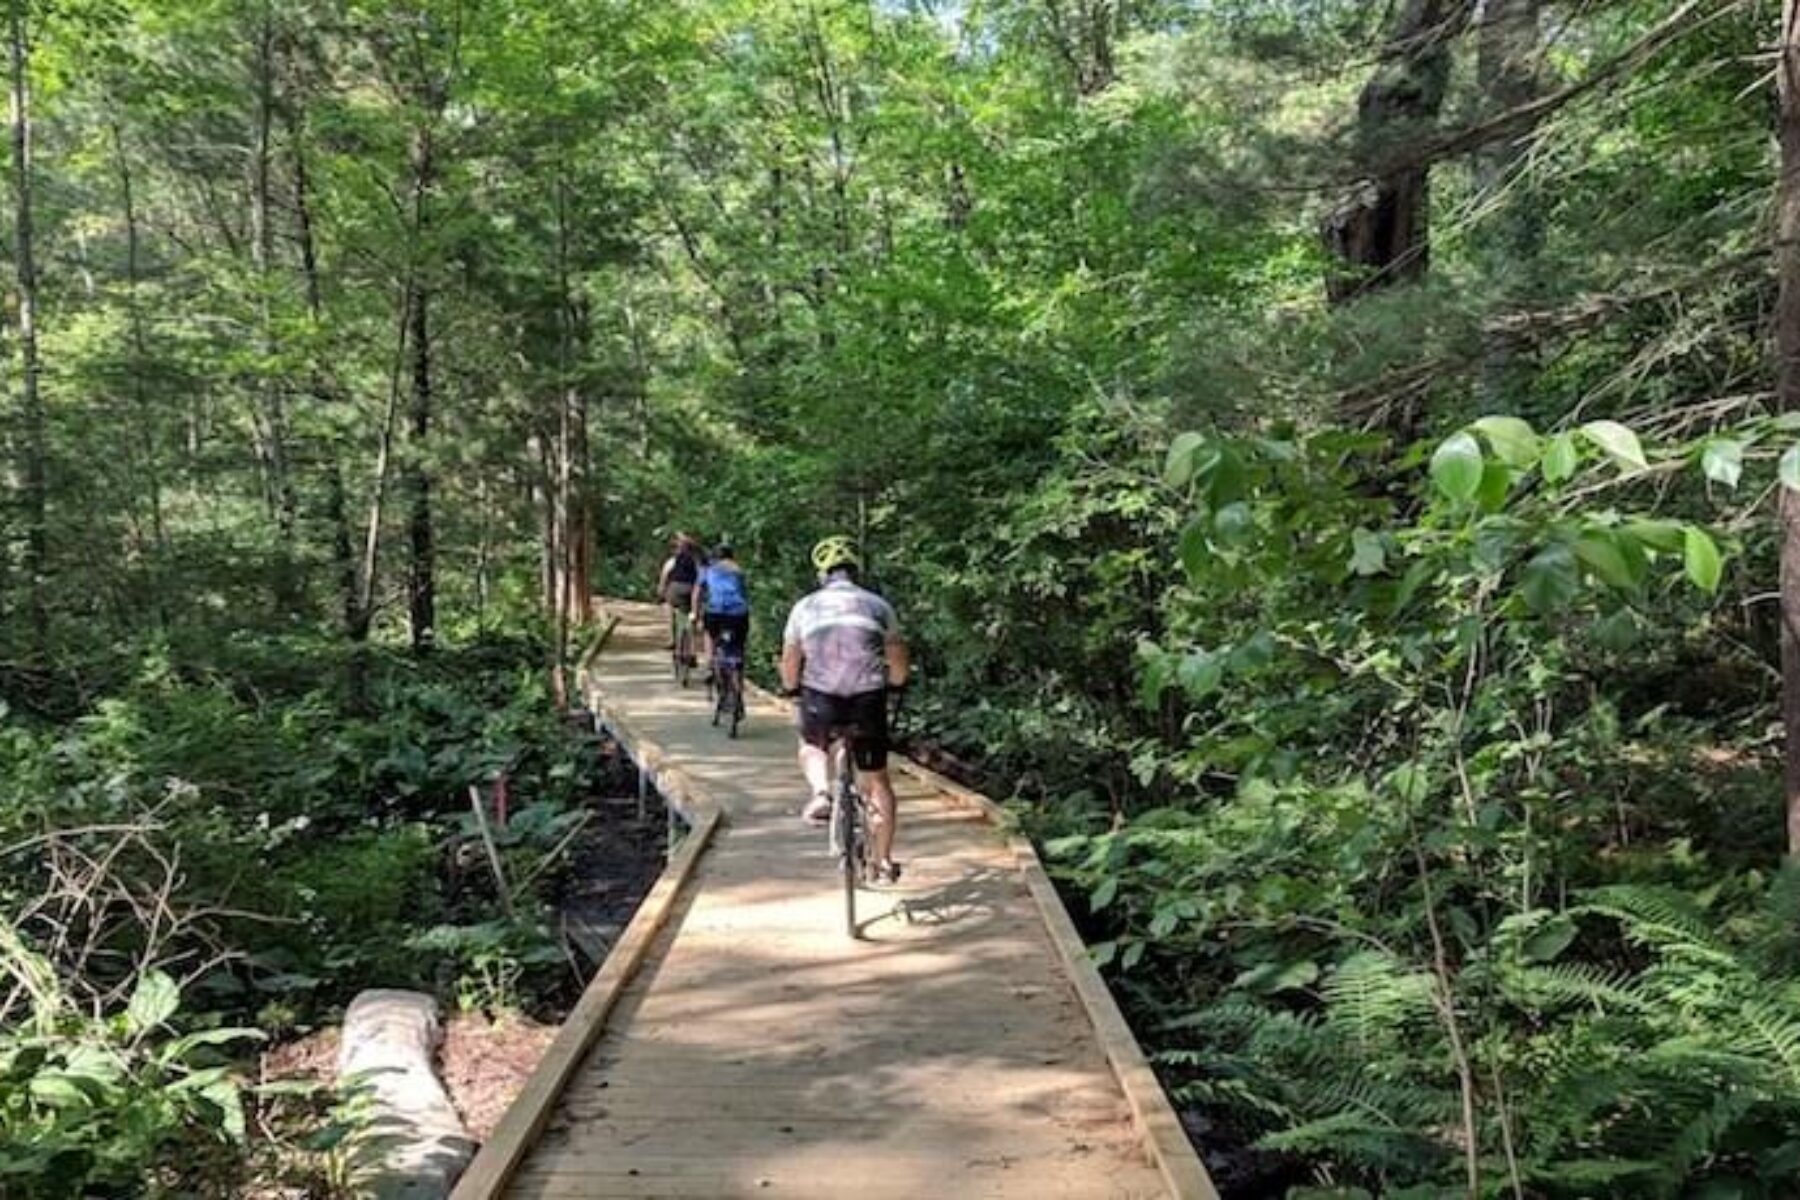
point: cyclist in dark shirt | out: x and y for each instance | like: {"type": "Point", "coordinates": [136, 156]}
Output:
{"type": "Point", "coordinates": [680, 573]}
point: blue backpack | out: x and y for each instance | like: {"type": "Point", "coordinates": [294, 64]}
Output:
{"type": "Point", "coordinates": [727, 592]}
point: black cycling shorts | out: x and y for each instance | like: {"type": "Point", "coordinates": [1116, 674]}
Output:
{"type": "Point", "coordinates": [862, 718]}
{"type": "Point", "coordinates": [730, 630]}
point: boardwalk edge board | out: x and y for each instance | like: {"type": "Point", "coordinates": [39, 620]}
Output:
{"type": "Point", "coordinates": [525, 1118]}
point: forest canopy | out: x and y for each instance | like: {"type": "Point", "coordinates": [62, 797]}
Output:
{"type": "Point", "coordinates": [1336, 462]}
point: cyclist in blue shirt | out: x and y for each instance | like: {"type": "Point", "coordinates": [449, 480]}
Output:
{"type": "Point", "coordinates": [722, 604]}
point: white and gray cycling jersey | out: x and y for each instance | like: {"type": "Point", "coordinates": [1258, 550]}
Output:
{"type": "Point", "coordinates": [843, 631]}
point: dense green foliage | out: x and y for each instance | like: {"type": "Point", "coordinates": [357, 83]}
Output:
{"type": "Point", "coordinates": [203, 861]}
{"type": "Point", "coordinates": [1411, 764]}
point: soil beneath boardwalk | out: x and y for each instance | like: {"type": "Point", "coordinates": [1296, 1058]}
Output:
{"type": "Point", "coordinates": [484, 1059]}
{"type": "Point", "coordinates": [483, 1062]}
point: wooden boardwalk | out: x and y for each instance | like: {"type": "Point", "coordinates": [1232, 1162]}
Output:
{"type": "Point", "coordinates": [758, 1051]}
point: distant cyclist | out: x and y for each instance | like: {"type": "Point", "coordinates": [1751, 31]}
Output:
{"type": "Point", "coordinates": [841, 653]}
{"type": "Point", "coordinates": [680, 573]}
{"type": "Point", "coordinates": [722, 602]}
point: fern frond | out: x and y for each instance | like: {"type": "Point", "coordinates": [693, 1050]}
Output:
{"type": "Point", "coordinates": [1555, 985]}
{"type": "Point", "coordinates": [1358, 1139]}
{"type": "Point", "coordinates": [1374, 998]}
{"type": "Point", "coordinates": [1236, 1094]}
{"type": "Point", "coordinates": [1662, 919]}
{"type": "Point", "coordinates": [1770, 1023]}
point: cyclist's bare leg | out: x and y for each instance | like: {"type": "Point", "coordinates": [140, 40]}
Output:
{"type": "Point", "coordinates": [815, 764]}
{"type": "Point", "coordinates": [883, 813]}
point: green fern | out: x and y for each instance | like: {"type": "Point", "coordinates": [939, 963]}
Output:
{"type": "Point", "coordinates": [1561, 985]}
{"type": "Point", "coordinates": [1663, 920]}
{"type": "Point", "coordinates": [1774, 1027]}
{"type": "Point", "coordinates": [1374, 999]}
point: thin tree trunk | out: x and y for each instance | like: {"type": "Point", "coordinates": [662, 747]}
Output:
{"type": "Point", "coordinates": [37, 516]}
{"type": "Point", "coordinates": [562, 480]}
{"type": "Point", "coordinates": [337, 505]}
{"type": "Point", "coordinates": [364, 611]}
{"type": "Point", "coordinates": [139, 340]}
{"type": "Point", "coordinates": [1787, 337]}
{"type": "Point", "coordinates": [262, 254]}
{"type": "Point", "coordinates": [422, 583]}
{"type": "Point", "coordinates": [586, 498]}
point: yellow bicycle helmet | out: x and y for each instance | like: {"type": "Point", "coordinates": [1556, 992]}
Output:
{"type": "Point", "coordinates": [834, 552]}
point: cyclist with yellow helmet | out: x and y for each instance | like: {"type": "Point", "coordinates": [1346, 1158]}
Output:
{"type": "Point", "coordinates": [840, 653]}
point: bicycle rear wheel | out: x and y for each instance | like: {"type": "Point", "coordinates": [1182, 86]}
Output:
{"type": "Point", "coordinates": [851, 852]}
{"type": "Point", "coordinates": [736, 690]}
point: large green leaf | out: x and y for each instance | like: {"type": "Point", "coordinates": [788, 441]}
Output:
{"type": "Point", "coordinates": [1789, 468]}
{"type": "Point", "coordinates": [1367, 554]}
{"type": "Point", "coordinates": [1618, 442]}
{"type": "Point", "coordinates": [1705, 566]}
{"type": "Point", "coordinates": [1456, 467]}
{"type": "Point", "coordinates": [1200, 673]}
{"type": "Point", "coordinates": [223, 1095]}
{"type": "Point", "coordinates": [1722, 460]}
{"type": "Point", "coordinates": [1196, 548]}
{"type": "Point", "coordinates": [1561, 459]}
{"type": "Point", "coordinates": [1550, 939]}
{"type": "Point", "coordinates": [1551, 579]}
{"type": "Point", "coordinates": [1514, 441]}
{"type": "Point", "coordinates": [1178, 468]}
{"type": "Point", "coordinates": [153, 1002]}
{"type": "Point", "coordinates": [1602, 555]}
{"type": "Point", "coordinates": [1235, 524]}
{"type": "Point", "coordinates": [59, 1090]}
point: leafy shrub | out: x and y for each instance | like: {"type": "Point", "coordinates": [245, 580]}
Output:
{"type": "Point", "coordinates": [95, 1106]}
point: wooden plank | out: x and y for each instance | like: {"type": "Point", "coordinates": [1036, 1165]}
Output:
{"type": "Point", "coordinates": [1002, 1179]}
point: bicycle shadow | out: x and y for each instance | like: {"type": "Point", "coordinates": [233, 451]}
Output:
{"type": "Point", "coordinates": [974, 896]}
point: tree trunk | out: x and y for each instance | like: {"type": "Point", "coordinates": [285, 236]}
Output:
{"type": "Point", "coordinates": [1508, 48]}
{"type": "Point", "coordinates": [582, 518]}
{"type": "Point", "coordinates": [421, 583]}
{"type": "Point", "coordinates": [1787, 339]}
{"type": "Point", "coordinates": [36, 473]}
{"type": "Point", "coordinates": [140, 402]}
{"type": "Point", "coordinates": [560, 491]}
{"type": "Point", "coordinates": [262, 254]}
{"type": "Point", "coordinates": [1380, 236]}
{"type": "Point", "coordinates": [337, 505]}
